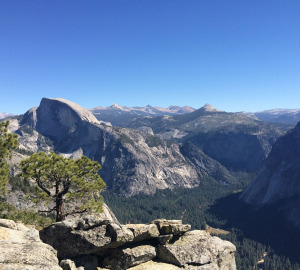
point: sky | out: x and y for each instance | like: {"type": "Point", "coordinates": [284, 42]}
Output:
{"type": "Point", "coordinates": [237, 55]}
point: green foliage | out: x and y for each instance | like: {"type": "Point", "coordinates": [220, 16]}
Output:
{"type": "Point", "coordinates": [27, 217]}
{"type": "Point", "coordinates": [273, 261]}
{"type": "Point", "coordinates": [8, 142]}
{"type": "Point", "coordinates": [188, 204]}
{"type": "Point", "coordinates": [72, 186]}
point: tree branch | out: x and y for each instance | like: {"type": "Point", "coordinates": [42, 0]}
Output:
{"type": "Point", "coordinates": [77, 212]}
{"type": "Point", "coordinates": [42, 187]}
{"type": "Point", "coordinates": [47, 211]}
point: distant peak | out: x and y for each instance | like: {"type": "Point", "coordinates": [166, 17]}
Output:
{"type": "Point", "coordinates": [4, 115]}
{"type": "Point", "coordinates": [115, 105]}
{"type": "Point", "coordinates": [209, 108]}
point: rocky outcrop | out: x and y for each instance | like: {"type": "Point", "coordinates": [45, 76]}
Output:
{"type": "Point", "coordinates": [21, 248]}
{"type": "Point", "coordinates": [143, 232]}
{"type": "Point", "coordinates": [162, 244]}
{"type": "Point", "coordinates": [173, 227]}
{"type": "Point", "coordinates": [84, 236]}
{"type": "Point", "coordinates": [198, 248]}
{"type": "Point", "coordinates": [279, 179]}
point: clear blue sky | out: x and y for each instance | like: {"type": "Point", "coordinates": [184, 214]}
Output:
{"type": "Point", "coordinates": [236, 55]}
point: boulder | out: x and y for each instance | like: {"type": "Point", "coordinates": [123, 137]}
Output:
{"type": "Point", "coordinates": [120, 234]}
{"type": "Point", "coordinates": [174, 227]}
{"type": "Point", "coordinates": [68, 265]}
{"type": "Point", "coordinates": [125, 258]}
{"type": "Point", "coordinates": [151, 265]}
{"type": "Point", "coordinates": [91, 234]}
{"type": "Point", "coordinates": [198, 248]}
{"type": "Point", "coordinates": [21, 248]}
{"type": "Point", "coordinates": [143, 231]}
{"type": "Point", "coordinates": [7, 223]}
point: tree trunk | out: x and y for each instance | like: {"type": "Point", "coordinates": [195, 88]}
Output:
{"type": "Point", "coordinates": [60, 209]}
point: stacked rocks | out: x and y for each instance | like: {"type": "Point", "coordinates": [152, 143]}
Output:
{"type": "Point", "coordinates": [93, 242]}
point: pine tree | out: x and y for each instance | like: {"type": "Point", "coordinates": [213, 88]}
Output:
{"type": "Point", "coordinates": [8, 142]}
{"type": "Point", "coordinates": [67, 186]}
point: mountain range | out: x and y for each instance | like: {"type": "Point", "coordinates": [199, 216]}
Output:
{"type": "Point", "coordinates": [121, 115]}
{"type": "Point", "coordinates": [152, 152]}
{"type": "Point", "coordinates": [236, 140]}
{"type": "Point", "coordinates": [291, 116]}
{"type": "Point", "coordinates": [5, 115]}
{"type": "Point", "coordinates": [133, 161]}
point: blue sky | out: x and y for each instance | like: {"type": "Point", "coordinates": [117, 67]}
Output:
{"type": "Point", "coordinates": [237, 55]}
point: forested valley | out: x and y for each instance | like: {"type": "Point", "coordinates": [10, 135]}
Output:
{"type": "Point", "coordinates": [257, 233]}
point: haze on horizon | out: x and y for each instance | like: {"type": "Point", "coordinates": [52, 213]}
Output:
{"type": "Point", "coordinates": [235, 55]}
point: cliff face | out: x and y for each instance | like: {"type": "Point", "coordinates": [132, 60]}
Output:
{"type": "Point", "coordinates": [133, 161]}
{"type": "Point", "coordinates": [279, 179]}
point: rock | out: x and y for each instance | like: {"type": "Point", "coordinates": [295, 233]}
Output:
{"type": "Point", "coordinates": [68, 265]}
{"type": "Point", "coordinates": [21, 248]}
{"type": "Point", "coordinates": [85, 236]}
{"type": "Point", "coordinates": [108, 214]}
{"type": "Point", "coordinates": [87, 262]}
{"type": "Point", "coordinates": [82, 243]}
{"type": "Point", "coordinates": [125, 258]}
{"type": "Point", "coordinates": [143, 231]}
{"type": "Point", "coordinates": [198, 248]}
{"type": "Point", "coordinates": [151, 265]}
{"type": "Point", "coordinates": [171, 226]}
{"type": "Point", "coordinates": [120, 234]}
{"type": "Point", "coordinates": [8, 224]}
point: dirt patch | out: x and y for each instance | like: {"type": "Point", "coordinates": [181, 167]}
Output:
{"type": "Point", "coordinates": [215, 231]}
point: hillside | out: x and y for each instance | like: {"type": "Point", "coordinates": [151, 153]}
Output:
{"type": "Point", "coordinates": [278, 182]}
{"type": "Point", "coordinates": [236, 140]}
